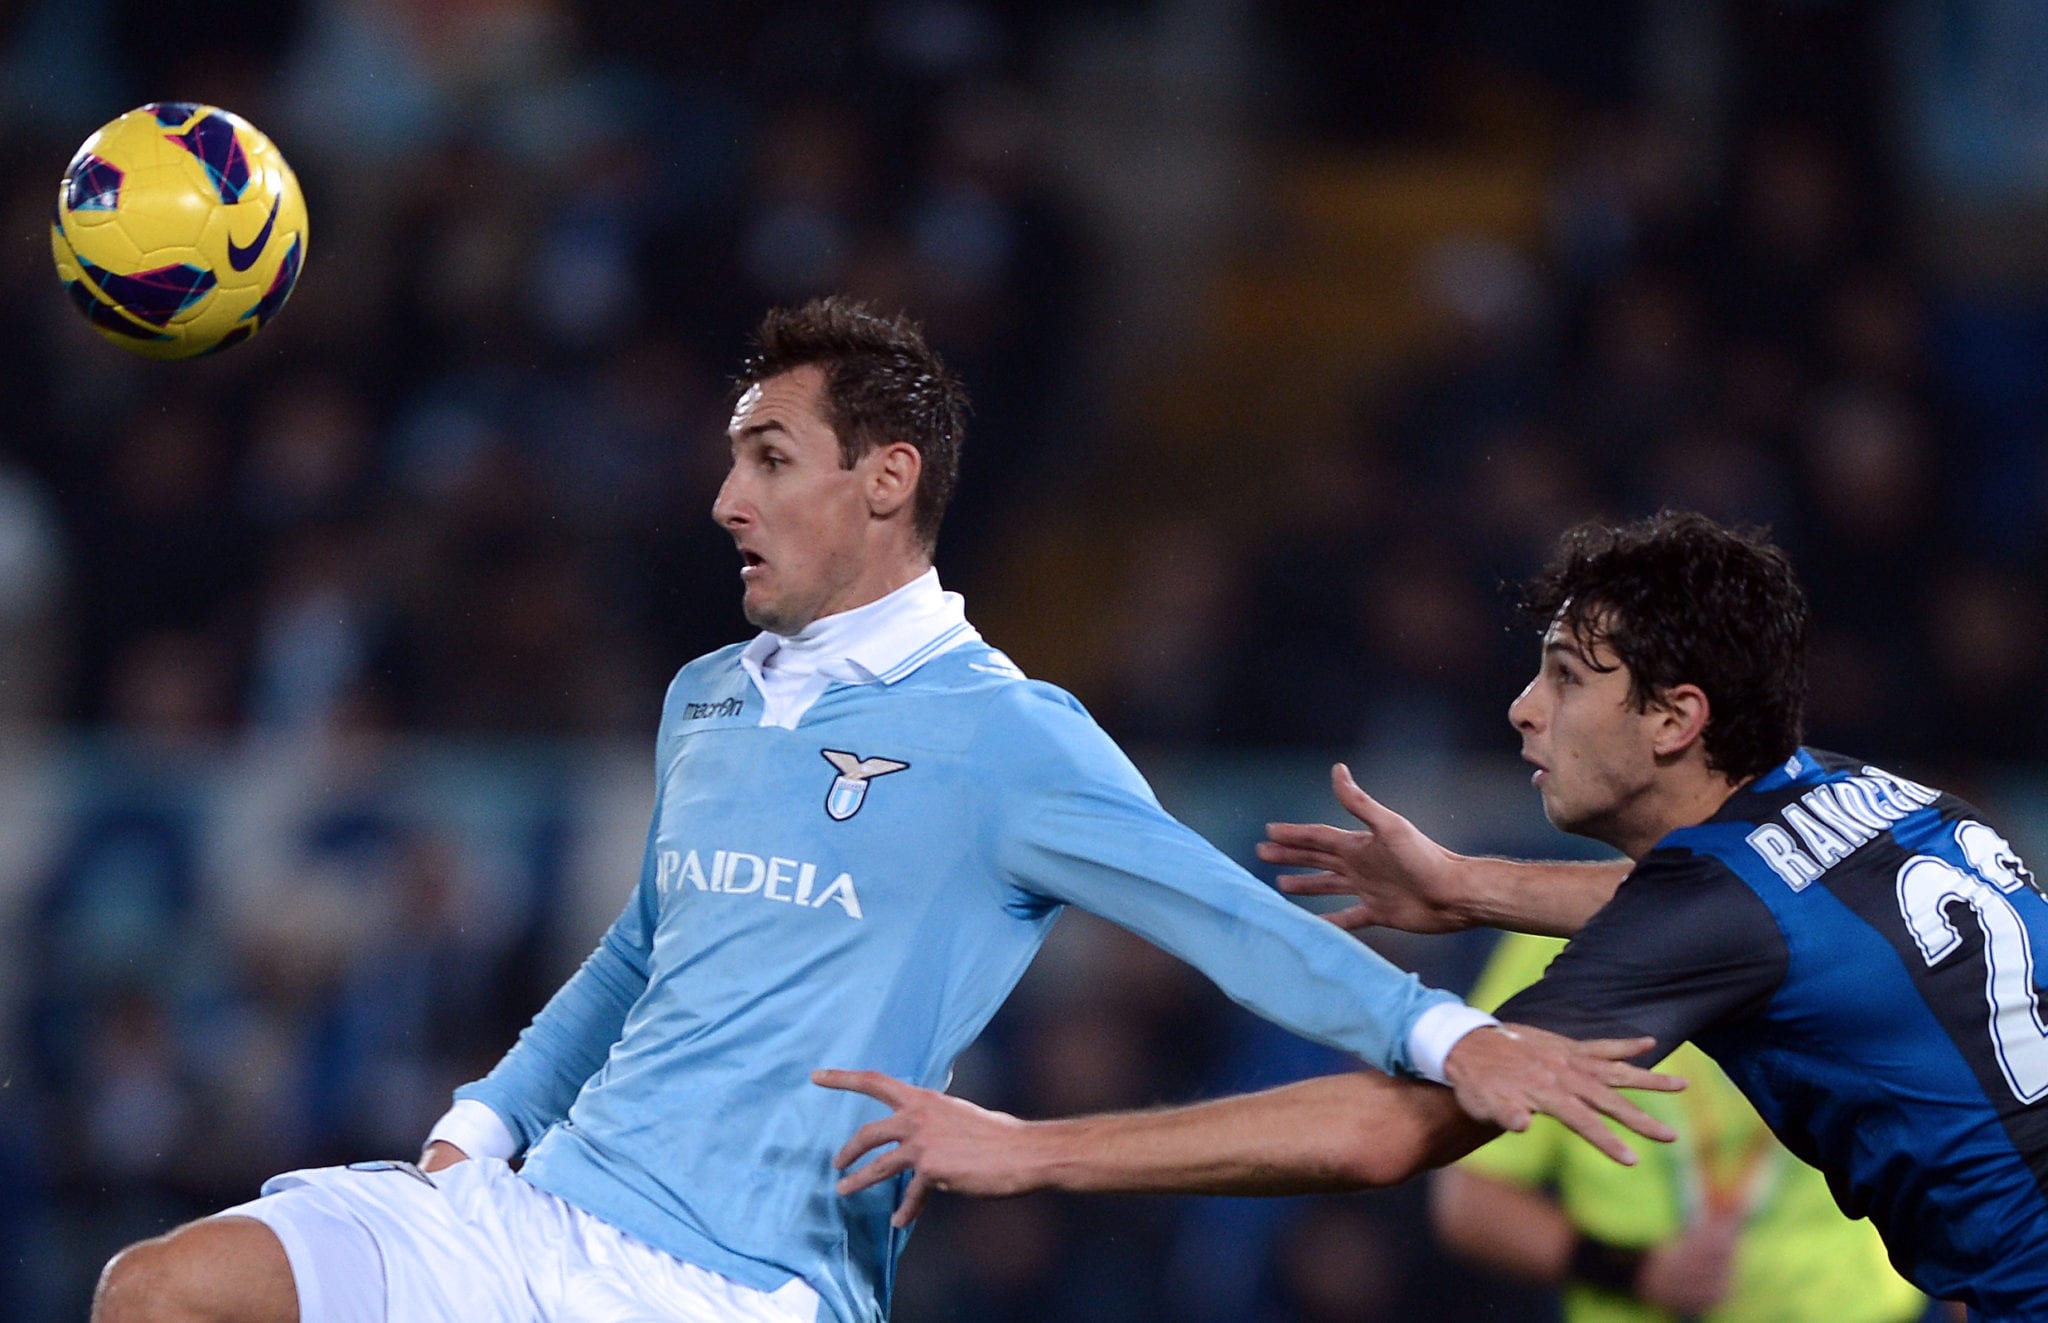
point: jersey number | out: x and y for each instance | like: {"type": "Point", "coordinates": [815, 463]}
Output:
{"type": "Point", "coordinates": [1994, 880]}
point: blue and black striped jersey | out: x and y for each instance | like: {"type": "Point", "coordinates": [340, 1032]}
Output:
{"type": "Point", "coordinates": [1857, 951]}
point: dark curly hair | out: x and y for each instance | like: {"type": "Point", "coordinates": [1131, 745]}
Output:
{"type": "Point", "coordinates": [1679, 599]}
{"type": "Point", "coordinates": [883, 384]}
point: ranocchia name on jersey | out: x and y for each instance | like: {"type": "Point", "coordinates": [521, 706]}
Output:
{"type": "Point", "coordinates": [1833, 819]}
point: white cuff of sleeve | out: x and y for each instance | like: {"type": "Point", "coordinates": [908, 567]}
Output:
{"type": "Point", "coordinates": [477, 1131]}
{"type": "Point", "coordinates": [1436, 1031]}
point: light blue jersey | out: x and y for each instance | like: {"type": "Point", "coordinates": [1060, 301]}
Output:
{"type": "Point", "coordinates": [861, 888]}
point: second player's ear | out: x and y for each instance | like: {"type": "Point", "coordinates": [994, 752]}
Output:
{"type": "Point", "coordinates": [1684, 713]}
{"type": "Point", "coordinates": [893, 471]}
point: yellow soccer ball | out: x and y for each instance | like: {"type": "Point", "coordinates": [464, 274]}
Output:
{"type": "Point", "coordinates": [180, 230]}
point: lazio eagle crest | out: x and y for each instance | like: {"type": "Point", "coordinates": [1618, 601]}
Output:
{"type": "Point", "coordinates": [849, 790]}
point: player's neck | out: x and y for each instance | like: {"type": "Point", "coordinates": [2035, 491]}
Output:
{"type": "Point", "coordinates": [895, 574]}
{"type": "Point", "coordinates": [885, 579]}
{"type": "Point", "coordinates": [1684, 797]}
{"type": "Point", "coordinates": [871, 589]}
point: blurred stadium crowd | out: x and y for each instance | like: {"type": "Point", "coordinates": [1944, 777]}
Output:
{"type": "Point", "coordinates": [1295, 330]}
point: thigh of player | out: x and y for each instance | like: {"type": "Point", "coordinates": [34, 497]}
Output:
{"type": "Point", "coordinates": [386, 1243]}
{"type": "Point", "coordinates": [383, 1241]}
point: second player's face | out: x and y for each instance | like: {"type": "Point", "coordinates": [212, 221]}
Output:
{"type": "Point", "coordinates": [800, 520]}
{"type": "Point", "coordinates": [1594, 752]}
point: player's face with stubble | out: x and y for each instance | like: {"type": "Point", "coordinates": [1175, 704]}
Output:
{"type": "Point", "coordinates": [797, 516]}
{"type": "Point", "coordinates": [1592, 749]}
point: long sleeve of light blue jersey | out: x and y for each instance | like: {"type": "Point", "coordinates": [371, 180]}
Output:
{"type": "Point", "coordinates": [532, 1086]}
{"type": "Point", "coordinates": [1073, 821]}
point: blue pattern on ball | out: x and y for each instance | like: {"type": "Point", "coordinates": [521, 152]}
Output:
{"type": "Point", "coordinates": [233, 337]}
{"type": "Point", "coordinates": [100, 314]}
{"type": "Point", "coordinates": [214, 141]}
{"type": "Point", "coordinates": [280, 288]}
{"type": "Point", "coordinates": [92, 185]}
{"type": "Point", "coordinates": [171, 114]}
{"type": "Point", "coordinates": [152, 296]}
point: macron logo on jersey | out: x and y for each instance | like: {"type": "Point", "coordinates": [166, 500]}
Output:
{"type": "Point", "coordinates": [1827, 822]}
{"type": "Point", "coordinates": [737, 873]}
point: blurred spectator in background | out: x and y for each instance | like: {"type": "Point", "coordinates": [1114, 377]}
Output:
{"type": "Point", "coordinates": [32, 591]}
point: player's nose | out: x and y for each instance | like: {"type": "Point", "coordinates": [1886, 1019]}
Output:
{"type": "Point", "coordinates": [1522, 713]}
{"type": "Point", "coordinates": [727, 509]}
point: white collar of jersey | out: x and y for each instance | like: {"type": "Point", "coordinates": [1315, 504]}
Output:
{"type": "Point", "coordinates": [885, 640]}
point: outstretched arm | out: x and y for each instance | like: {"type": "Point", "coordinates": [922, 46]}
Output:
{"type": "Point", "coordinates": [1336, 1132]}
{"type": "Point", "coordinates": [1333, 1133]}
{"type": "Point", "coordinates": [1403, 879]}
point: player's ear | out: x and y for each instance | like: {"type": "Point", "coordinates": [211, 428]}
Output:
{"type": "Point", "coordinates": [1683, 714]}
{"type": "Point", "coordinates": [892, 474]}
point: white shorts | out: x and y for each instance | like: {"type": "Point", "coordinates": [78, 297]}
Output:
{"type": "Point", "coordinates": [381, 1242]}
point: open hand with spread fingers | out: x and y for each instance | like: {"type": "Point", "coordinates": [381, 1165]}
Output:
{"type": "Point", "coordinates": [946, 1143]}
{"type": "Point", "coordinates": [1400, 877]}
{"type": "Point", "coordinates": [1506, 1074]}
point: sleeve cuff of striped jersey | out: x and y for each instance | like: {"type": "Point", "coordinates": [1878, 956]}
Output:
{"type": "Point", "coordinates": [1436, 1031]}
{"type": "Point", "coordinates": [477, 1130]}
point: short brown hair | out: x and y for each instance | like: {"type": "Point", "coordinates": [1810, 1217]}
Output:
{"type": "Point", "coordinates": [883, 384]}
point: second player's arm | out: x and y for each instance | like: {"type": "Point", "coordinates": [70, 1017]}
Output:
{"type": "Point", "coordinates": [1400, 878]}
{"type": "Point", "coordinates": [1332, 1133]}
